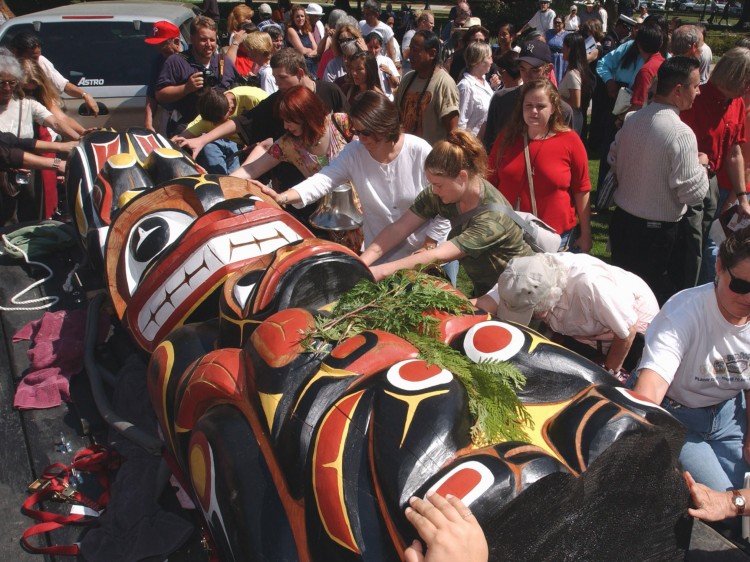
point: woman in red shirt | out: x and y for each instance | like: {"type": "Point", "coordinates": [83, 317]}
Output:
{"type": "Point", "coordinates": [557, 164]}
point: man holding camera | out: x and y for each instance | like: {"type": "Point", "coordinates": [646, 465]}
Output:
{"type": "Point", "coordinates": [185, 75]}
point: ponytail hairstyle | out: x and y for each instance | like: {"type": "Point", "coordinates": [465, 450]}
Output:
{"type": "Point", "coordinates": [377, 114]}
{"type": "Point", "coordinates": [459, 151]}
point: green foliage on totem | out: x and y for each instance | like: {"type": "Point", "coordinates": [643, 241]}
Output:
{"type": "Point", "coordinates": [397, 304]}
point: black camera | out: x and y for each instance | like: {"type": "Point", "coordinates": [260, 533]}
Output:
{"type": "Point", "coordinates": [209, 78]}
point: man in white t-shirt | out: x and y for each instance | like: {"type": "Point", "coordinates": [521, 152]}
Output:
{"type": "Point", "coordinates": [696, 363]}
{"type": "Point", "coordinates": [542, 20]}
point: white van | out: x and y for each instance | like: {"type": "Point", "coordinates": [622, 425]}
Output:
{"type": "Point", "coordinates": [99, 46]}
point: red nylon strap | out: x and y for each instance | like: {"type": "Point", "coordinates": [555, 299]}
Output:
{"type": "Point", "coordinates": [54, 485]}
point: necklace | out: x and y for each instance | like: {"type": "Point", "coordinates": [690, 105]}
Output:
{"type": "Point", "coordinates": [541, 144]}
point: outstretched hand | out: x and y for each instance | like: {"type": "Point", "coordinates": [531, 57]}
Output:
{"type": "Point", "coordinates": [266, 190]}
{"type": "Point", "coordinates": [448, 527]}
{"type": "Point", "coordinates": [710, 505]}
{"type": "Point", "coordinates": [193, 145]}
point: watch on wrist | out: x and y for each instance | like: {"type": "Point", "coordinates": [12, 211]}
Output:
{"type": "Point", "coordinates": [738, 501]}
{"type": "Point", "coordinates": [56, 163]}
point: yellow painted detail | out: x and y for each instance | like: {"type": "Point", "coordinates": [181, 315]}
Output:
{"type": "Point", "coordinates": [540, 413]}
{"type": "Point", "coordinates": [412, 402]}
{"type": "Point", "coordinates": [121, 160]}
{"type": "Point", "coordinates": [324, 371]}
{"type": "Point", "coordinates": [198, 470]}
{"type": "Point", "coordinates": [269, 402]}
{"type": "Point", "coordinates": [338, 465]}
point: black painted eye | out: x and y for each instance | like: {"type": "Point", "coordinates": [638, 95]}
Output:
{"type": "Point", "coordinates": [149, 237]}
{"type": "Point", "coordinates": [244, 288]}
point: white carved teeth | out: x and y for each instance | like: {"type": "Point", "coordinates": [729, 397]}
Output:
{"type": "Point", "coordinates": [232, 247]}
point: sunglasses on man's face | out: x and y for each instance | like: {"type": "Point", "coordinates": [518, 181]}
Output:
{"type": "Point", "coordinates": [737, 285]}
{"type": "Point", "coordinates": [361, 132]}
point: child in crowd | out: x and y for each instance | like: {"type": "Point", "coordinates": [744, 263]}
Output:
{"type": "Point", "coordinates": [221, 156]}
{"type": "Point", "coordinates": [260, 49]}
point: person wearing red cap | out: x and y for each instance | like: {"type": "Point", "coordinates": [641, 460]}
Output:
{"type": "Point", "coordinates": [166, 38]}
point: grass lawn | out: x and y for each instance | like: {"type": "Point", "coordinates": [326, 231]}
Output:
{"type": "Point", "coordinates": [599, 221]}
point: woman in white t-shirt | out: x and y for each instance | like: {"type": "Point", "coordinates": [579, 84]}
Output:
{"type": "Point", "coordinates": [696, 364]}
{"type": "Point", "coordinates": [18, 116]}
{"type": "Point", "coordinates": [580, 296]}
{"type": "Point", "coordinates": [385, 166]}
{"type": "Point", "coordinates": [474, 92]}
{"type": "Point", "coordinates": [577, 79]}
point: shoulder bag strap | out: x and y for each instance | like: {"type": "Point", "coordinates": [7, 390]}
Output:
{"type": "Point", "coordinates": [20, 109]}
{"type": "Point", "coordinates": [468, 215]}
{"type": "Point", "coordinates": [529, 173]}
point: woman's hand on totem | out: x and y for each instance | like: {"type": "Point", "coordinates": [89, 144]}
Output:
{"type": "Point", "coordinates": [265, 189]}
{"type": "Point", "coordinates": [449, 529]}
{"type": "Point", "coordinates": [379, 271]}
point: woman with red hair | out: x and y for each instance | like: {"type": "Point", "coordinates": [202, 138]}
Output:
{"type": "Point", "coordinates": [300, 38]}
{"type": "Point", "coordinates": [314, 137]}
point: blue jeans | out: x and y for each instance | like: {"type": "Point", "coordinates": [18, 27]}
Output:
{"type": "Point", "coordinates": [451, 270]}
{"type": "Point", "coordinates": [712, 452]}
{"type": "Point", "coordinates": [568, 240]}
{"type": "Point", "coordinates": [711, 249]}
{"type": "Point", "coordinates": [220, 157]}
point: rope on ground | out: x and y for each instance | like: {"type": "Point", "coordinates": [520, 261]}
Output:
{"type": "Point", "coordinates": [45, 301]}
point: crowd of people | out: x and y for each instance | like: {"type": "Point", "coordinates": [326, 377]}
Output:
{"type": "Point", "coordinates": [446, 141]}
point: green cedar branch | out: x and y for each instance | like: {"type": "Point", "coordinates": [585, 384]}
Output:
{"type": "Point", "coordinates": [397, 304]}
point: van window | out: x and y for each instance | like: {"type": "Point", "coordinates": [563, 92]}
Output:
{"type": "Point", "coordinates": [94, 53]}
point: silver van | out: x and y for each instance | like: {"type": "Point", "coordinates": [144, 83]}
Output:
{"type": "Point", "coordinates": [99, 46]}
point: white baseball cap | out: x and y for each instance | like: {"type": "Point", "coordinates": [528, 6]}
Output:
{"type": "Point", "coordinates": [525, 283]}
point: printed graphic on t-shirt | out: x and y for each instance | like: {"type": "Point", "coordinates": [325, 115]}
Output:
{"type": "Point", "coordinates": [730, 369]}
{"type": "Point", "coordinates": [410, 113]}
{"type": "Point", "coordinates": [733, 364]}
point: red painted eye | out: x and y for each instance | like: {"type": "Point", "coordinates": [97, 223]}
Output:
{"type": "Point", "coordinates": [414, 374]}
{"type": "Point", "coordinates": [467, 481]}
{"type": "Point", "coordinates": [493, 341]}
